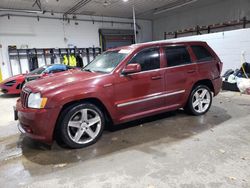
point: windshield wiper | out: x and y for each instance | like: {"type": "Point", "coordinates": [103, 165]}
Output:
{"type": "Point", "coordinates": [88, 70]}
{"type": "Point", "coordinates": [100, 71]}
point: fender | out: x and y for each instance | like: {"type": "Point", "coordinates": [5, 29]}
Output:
{"type": "Point", "coordinates": [63, 97]}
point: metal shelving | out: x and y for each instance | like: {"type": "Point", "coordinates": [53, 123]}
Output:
{"type": "Point", "coordinates": [46, 53]}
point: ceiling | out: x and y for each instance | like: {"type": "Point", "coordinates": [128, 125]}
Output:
{"type": "Point", "coordinates": [145, 9]}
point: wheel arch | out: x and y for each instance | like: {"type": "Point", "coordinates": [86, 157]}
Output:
{"type": "Point", "coordinates": [92, 100]}
{"type": "Point", "coordinates": [206, 82]}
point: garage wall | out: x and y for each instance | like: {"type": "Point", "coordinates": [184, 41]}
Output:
{"type": "Point", "coordinates": [56, 33]}
{"type": "Point", "coordinates": [228, 45]}
{"type": "Point", "coordinates": [202, 12]}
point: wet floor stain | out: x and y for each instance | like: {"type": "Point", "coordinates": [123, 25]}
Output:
{"type": "Point", "coordinates": [167, 127]}
{"type": "Point", "coordinates": [22, 156]}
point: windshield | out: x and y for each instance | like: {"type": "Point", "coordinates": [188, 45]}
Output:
{"type": "Point", "coordinates": [106, 62]}
{"type": "Point", "coordinates": [39, 70]}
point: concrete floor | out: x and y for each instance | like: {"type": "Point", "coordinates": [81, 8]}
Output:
{"type": "Point", "coordinates": [168, 150]}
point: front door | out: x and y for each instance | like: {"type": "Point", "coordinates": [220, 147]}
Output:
{"type": "Point", "coordinates": [138, 94]}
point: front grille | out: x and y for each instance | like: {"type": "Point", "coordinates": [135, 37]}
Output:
{"type": "Point", "coordinates": [24, 98]}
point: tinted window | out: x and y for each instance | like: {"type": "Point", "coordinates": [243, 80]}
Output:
{"type": "Point", "coordinates": [201, 53]}
{"type": "Point", "coordinates": [177, 55]}
{"type": "Point", "coordinates": [148, 59]}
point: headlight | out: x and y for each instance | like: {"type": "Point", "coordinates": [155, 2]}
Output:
{"type": "Point", "coordinates": [10, 83]}
{"type": "Point", "coordinates": [36, 101]}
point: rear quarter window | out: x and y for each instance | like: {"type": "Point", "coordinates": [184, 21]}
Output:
{"type": "Point", "coordinates": [202, 54]}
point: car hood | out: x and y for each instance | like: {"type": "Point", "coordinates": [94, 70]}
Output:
{"type": "Point", "coordinates": [16, 77]}
{"type": "Point", "coordinates": [59, 81]}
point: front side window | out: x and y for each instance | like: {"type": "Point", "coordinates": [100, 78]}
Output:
{"type": "Point", "coordinates": [177, 55]}
{"type": "Point", "coordinates": [149, 59]}
{"type": "Point", "coordinates": [201, 53]}
{"type": "Point", "coordinates": [106, 62]}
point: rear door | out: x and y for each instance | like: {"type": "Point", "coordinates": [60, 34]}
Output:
{"type": "Point", "coordinates": [180, 74]}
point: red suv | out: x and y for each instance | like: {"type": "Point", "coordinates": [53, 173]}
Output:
{"type": "Point", "coordinates": [120, 85]}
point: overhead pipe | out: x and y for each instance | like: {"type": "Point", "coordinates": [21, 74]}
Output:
{"type": "Point", "coordinates": [178, 5]}
{"type": "Point", "coordinates": [76, 7]}
{"type": "Point", "coordinates": [76, 19]}
{"type": "Point", "coordinates": [21, 10]}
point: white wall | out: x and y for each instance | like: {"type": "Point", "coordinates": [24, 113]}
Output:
{"type": "Point", "coordinates": [228, 45]}
{"type": "Point", "coordinates": [48, 33]}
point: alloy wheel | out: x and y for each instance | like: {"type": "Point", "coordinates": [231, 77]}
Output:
{"type": "Point", "coordinates": [84, 126]}
{"type": "Point", "coordinates": [201, 100]}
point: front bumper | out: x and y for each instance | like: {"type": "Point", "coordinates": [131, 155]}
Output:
{"type": "Point", "coordinates": [9, 89]}
{"type": "Point", "coordinates": [38, 124]}
{"type": "Point", "coordinates": [20, 128]}
{"type": "Point", "coordinates": [3, 89]}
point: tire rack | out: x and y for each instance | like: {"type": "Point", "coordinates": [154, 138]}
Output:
{"type": "Point", "coordinates": [199, 29]}
{"type": "Point", "coordinates": [48, 53]}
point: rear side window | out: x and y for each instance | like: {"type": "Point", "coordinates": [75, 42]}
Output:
{"type": "Point", "coordinates": [149, 59]}
{"type": "Point", "coordinates": [201, 53]}
{"type": "Point", "coordinates": [177, 55]}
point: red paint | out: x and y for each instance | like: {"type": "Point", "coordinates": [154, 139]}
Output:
{"type": "Point", "coordinates": [15, 88]}
{"type": "Point", "coordinates": [20, 79]}
{"type": "Point", "coordinates": [115, 89]}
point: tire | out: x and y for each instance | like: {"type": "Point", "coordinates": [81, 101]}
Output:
{"type": "Point", "coordinates": [80, 125]}
{"type": "Point", "coordinates": [199, 101]}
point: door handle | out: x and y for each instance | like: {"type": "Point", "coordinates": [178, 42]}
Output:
{"type": "Point", "coordinates": [191, 71]}
{"type": "Point", "coordinates": [156, 77]}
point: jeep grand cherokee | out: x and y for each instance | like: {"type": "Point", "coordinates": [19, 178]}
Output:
{"type": "Point", "coordinates": [121, 85]}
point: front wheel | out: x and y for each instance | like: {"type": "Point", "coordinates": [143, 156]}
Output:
{"type": "Point", "coordinates": [81, 125]}
{"type": "Point", "coordinates": [199, 101]}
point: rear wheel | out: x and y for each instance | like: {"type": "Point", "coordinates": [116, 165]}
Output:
{"type": "Point", "coordinates": [81, 125]}
{"type": "Point", "coordinates": [199, 101]}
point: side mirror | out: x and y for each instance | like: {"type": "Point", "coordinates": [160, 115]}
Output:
{"type": "Point", "coordinates": [131, 68]}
